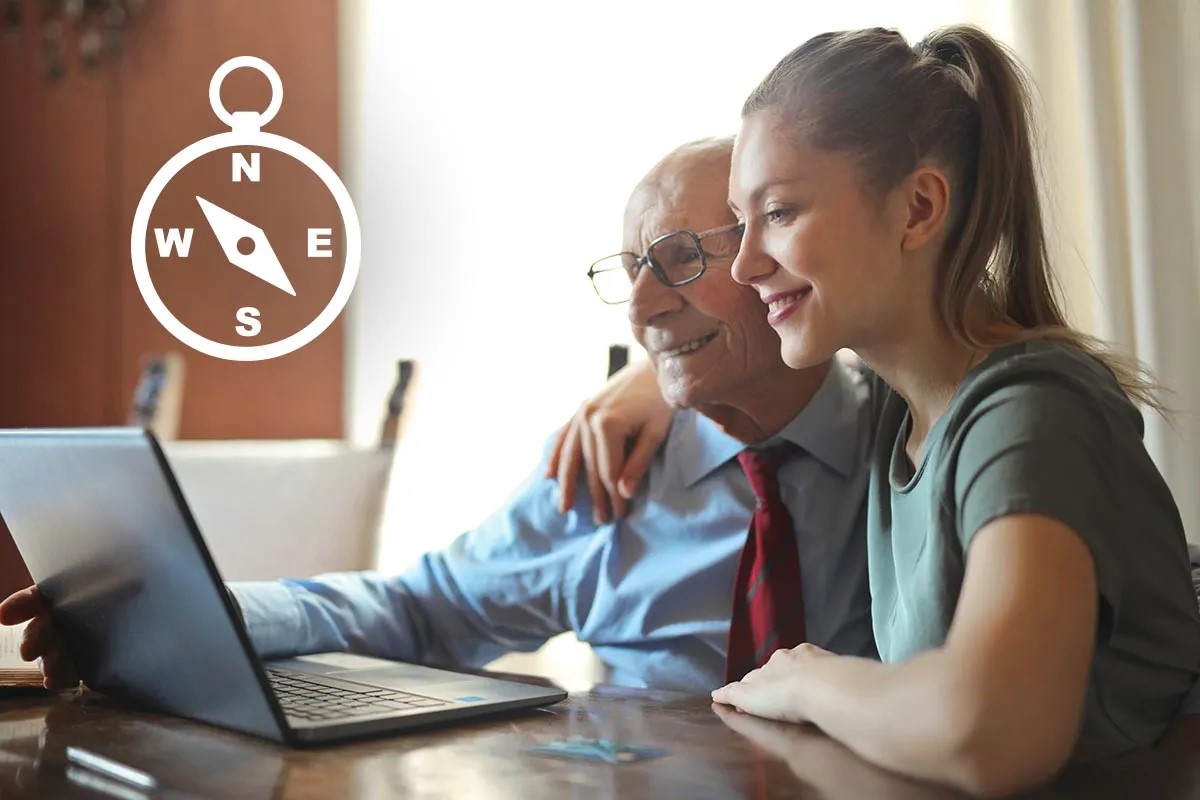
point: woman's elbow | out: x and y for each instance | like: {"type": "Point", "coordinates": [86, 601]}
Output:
{"type": "Point", "coordinates": [997, 760]}
{"type": "Point", "coordinates": [998, 777]}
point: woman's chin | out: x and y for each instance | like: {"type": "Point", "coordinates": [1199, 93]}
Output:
{"type": "Point", "coordinates": [802, 355]}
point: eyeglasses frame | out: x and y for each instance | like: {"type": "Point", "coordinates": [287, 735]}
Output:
{"type": "Point", "coordinates": [656, 268]}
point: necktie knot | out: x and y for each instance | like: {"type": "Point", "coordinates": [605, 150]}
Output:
{"type": "Point", "coordinates": [762, 468]}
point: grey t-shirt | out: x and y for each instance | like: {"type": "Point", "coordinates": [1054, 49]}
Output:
{"type": "Point", "coordinates": [1041, 428]}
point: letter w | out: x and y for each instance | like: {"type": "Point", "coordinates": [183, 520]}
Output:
{"type": "Point", "coordinates": [173, 239]}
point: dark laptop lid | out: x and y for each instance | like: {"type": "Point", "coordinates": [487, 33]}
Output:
{"type": "Point", "coordinates": [108, 538]}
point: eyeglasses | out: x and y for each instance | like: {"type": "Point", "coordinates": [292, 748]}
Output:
{"type": "Point", "coordinates": [675, 259]}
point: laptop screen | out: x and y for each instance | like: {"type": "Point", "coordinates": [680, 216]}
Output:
{"type": "Point", "coordinates": [107, 537]}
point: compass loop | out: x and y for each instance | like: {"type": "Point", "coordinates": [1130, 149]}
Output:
{"type": "Point", "coordinates": [245, 119]}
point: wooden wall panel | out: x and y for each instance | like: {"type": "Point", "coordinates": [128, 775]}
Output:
{"type": "Point", "coordinates": [75, 156]}
{"type": "Point", "coordinates": [164, 108]}
{"type": "Point", "coordinates": [57, 271]}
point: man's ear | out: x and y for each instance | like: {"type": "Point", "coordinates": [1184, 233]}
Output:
{"type": "Point", "coordinates": [927, 205]}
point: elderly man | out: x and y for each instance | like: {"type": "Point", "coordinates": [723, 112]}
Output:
{"type": "Point", "coordinates": [651, 591]}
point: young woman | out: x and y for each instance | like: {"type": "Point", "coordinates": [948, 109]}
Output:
{"type": "Point", "coordinates": [1030, 588]}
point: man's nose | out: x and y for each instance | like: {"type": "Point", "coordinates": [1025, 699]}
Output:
{"type": "Point", "coordinates": [651, 299]}
{"type": "Point", "coordinates": [752, 264]}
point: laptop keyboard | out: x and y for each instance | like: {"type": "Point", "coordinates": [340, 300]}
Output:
{"type": "Point", "coordinates": [310, 697]}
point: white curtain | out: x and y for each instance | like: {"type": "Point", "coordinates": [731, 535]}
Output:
{"type": "Point", "coordinates": [1119, 108]}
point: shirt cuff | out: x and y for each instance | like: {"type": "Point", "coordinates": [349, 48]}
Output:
{"type": "Point", "coordinates": [272, 617]}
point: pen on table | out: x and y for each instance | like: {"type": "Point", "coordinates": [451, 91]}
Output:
{"type": "Point", "coordinates": [112, 769]}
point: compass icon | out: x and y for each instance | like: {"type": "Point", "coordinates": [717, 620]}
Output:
{"type": "Point", "coordinates": [216, 230]}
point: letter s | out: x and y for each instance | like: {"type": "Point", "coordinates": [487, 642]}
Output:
{"type": "Point", "coordinates": [250, 326]}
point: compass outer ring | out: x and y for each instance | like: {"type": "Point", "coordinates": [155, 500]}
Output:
{"type": "Point", "coordinates": [141, 270]}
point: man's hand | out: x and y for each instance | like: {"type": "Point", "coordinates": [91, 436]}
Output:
{"type": "Point", "coordinates": [41, 640]}
{"type": "Point", "coordinates": [612, 438]}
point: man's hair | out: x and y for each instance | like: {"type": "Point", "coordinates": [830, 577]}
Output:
{"type": "Point", "coordinates": [710, 152]}
{"type": "Point", "coordinates": [713, 150]}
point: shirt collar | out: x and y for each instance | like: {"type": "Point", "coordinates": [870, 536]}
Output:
{"type": "Point", "coordinates": [827, 428]}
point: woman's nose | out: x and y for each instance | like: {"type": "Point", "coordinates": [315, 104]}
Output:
{"type": "Point", "coordinates": [752, 264]}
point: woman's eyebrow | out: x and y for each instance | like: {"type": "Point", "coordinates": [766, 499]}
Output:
{"type": "Point", "coordinates": [761, 190]}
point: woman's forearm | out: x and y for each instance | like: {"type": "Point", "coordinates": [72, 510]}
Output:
{"type": "Point", "coordinates": [902, 716]}
{"type": "Point", "coordinates": [998, 707]}
{"type": "Point", "coordinates": [929, 717]}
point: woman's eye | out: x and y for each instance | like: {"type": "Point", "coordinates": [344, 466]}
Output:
{"type": "Point", "coordinates": [777, 215]}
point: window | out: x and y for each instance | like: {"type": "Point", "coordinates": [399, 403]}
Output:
{"type": "Point", "coordinates": [491, 158]}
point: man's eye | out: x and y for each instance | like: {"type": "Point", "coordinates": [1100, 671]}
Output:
{"type": "Point", "coordinates": [726, 243]}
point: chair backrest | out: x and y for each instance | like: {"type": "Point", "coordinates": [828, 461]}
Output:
{"type": "Point", "coordinates": [618, 357]}
{"type": "Point", "coordinates": [393, 414]}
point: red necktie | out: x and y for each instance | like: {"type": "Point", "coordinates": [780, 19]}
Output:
{"type": "Point", "coordinates": [768, 609]}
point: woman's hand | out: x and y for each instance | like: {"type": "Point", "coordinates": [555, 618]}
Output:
{"type": "Point", "coordinates": [613, 437]}
{"type": "Point", "coordinates": [41, 640]}
{"type": "Point", "coordinates": [772, 690]}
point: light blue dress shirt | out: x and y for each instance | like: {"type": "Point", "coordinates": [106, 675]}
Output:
{"type": "Point", "coordinates": [650, 593]}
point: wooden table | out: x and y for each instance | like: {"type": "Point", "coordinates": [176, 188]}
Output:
{"type": "Point", "coordinates": [712, 755]}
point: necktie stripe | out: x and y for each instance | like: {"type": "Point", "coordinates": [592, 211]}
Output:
{"type": "Point", "coordinates": [770, 640]}
{"type": "Point", "coordinates": [758, 582]}
{"type": "Point", "coordinates": [774, 635]}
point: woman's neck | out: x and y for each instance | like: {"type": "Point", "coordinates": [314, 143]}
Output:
{"type": "Point", "coordinates": [925, 364]}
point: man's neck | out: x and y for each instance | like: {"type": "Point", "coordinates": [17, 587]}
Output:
{"type": "Point", "coordinates": [764, 408]}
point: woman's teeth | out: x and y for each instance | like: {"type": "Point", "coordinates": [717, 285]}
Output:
{"type": "Point", "coordinates": [691, 346]}
{"type": "Point", "coordinates": [784, 302]}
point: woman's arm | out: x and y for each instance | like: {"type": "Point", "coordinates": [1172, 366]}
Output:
{"type": "Point", "coordinates": [613, 438]}
{"type": "Point", "coordinates": [994, 710]}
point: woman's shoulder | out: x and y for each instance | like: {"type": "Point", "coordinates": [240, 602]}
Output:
{"type": "Point", "coordinates": [1046, 377]}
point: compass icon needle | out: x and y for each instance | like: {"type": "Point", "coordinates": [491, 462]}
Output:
{"type": "Point", "coordinates": [235, 234]}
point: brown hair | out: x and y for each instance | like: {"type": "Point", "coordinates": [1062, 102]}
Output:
{"type": "Point", "coordinates": [958, 100]}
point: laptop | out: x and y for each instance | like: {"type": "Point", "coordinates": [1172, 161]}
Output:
{"type": "Point", "coordinates": [108, 537]}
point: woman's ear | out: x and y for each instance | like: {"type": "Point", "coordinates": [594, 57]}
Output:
{"type": "Point", "coordinates": [926, 195]}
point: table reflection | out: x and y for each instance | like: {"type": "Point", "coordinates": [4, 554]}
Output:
{"type": "Point", "coordinates": [187, 760]}
{"type": "Point", "coordinates": [713, 752]}
{"type": "Point", "coordinates": [825, 766]}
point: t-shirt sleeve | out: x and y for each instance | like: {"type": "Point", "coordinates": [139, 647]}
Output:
{"type": "Point", "coordinates": [1036, 449]}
